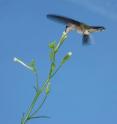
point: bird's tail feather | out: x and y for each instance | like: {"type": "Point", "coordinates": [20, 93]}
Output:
{"type": "Point", "coordinates": [86, 39]}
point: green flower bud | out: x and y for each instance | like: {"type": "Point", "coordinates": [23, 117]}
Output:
{"type": "Point", "coordinates": [66, 58]}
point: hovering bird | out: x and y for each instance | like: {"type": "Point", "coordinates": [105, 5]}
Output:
{"type": "Point", "coordinates": [81, 27]}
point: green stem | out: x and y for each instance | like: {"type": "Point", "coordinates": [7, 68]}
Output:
{"type": "Point", "coordinates": [56, 71]}
{"type": "Point", "coordinates": [37, 80]}
{"type": "Point", "coordinates": [27, 116]}
{"type": "Point", "coordinates": [35, 112]}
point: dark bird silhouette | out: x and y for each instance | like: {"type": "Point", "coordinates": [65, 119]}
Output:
{"type": "Point", "coordinates": [81, 27]}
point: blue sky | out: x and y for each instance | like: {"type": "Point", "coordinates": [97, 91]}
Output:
{"type": "Point", "coordinates": [85, 89]}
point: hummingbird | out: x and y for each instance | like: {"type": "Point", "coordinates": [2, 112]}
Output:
{"type": "Point", "coordinates": [80, 27]}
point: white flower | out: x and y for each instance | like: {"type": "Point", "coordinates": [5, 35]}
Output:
{"type": "Point", "coordinates": [69, 53]}
{"type": "Point", "coordinates": [22, 63]}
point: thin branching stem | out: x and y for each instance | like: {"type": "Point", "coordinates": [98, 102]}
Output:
{"type": "Point", "coordinates": [27, 116]}
{"type": "Point", "coordinates": [44, 88]}
{"type": "Point", "coordinates": [56, 70]}
{"type": "Point", "coordinates": [40, 106]}
{"type": "Point", "coordinates": [37, 80]}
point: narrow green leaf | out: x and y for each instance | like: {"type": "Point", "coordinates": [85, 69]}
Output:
{"type": "Point", "coordinates": [53, 66]}
{"type": "Point", "coordinates": [48, 88]}
{"type": "Point", "coordinates": [52, 55]}
{"type": "Point", "coordinates": [32, 64]}
{"type": "Point", "coordinates": [40, 117]}
{"type": "Point", "coordinates": [52, 45]}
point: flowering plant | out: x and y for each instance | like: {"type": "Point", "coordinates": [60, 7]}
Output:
{"type": "Point", "coordinates": [46, 85]}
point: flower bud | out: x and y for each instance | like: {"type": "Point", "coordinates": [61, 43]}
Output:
{"type": "Point", "coordinates": [66, 58]}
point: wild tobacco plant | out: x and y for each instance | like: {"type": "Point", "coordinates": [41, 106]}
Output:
{"type": "Point", "coordinates": [31, 113]}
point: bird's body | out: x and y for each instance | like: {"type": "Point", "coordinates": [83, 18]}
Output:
{"type": "Point", "coordinates": [81, 27]}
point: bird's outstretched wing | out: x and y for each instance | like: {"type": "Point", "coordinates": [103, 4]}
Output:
{"type": "Point", "coordinates": [83, 28]}
{"type": "Point", "coordinates": [63, 19]}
